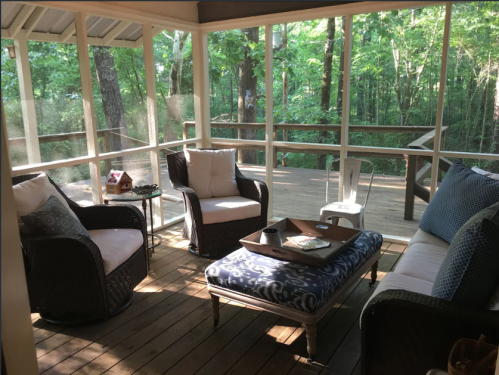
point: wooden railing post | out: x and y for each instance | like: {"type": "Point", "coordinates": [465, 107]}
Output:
{"type": "Point", "coordinates": [275, 149]}
{"type": "Point", "coordinates": [105, 148]}
{"type": "Point", "coordinates": [442, 147]}
{"type": "Point", "coordinates": [409, 187]}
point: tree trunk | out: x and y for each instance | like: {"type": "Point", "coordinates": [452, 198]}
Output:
{"type": "Point", "coordinates": [326, 86]}
{"type": "Point", "coordinates": [339, 97]}
{"type": "Point", "coordinates": [247, 81]}
{"type": "Point", "coordinates": [284, 88]}
{"type": "Point", "coordinates": [173, 108]}
{"type": "Point", "coordinates": [114, 112]}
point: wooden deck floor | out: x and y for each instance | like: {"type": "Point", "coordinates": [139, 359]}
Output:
{"type": "Point", "coordinates": [169, 330]}
{"type": "Point", "coordinates": [299, 193]}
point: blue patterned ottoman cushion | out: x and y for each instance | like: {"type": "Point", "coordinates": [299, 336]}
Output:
{"type": "Point", "coordinates": [294, 285]}
{"type": "Point", "coordinates": [462, 194]}
{"type": "Point", "coordinates": [470, 271]}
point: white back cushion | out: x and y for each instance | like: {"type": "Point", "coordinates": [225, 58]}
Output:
{"type": "Point", "coordinates": [212, 173]}
{"type": "Point", "coordinates": [32, 194]}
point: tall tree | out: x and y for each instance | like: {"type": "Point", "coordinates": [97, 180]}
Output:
{"type": "Point", "coordinates": [247, 81]}
{"type": "Point", "coordinates": [326, 86]}
{"type": "Point", "coordinates": [111, 96]}
{"type": "Point", "coordinates": [339, 97]}
{"type": "Point", "coordinates": [173, 104]}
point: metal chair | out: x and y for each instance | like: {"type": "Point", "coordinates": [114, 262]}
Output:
{"type": "Point", "coordinates": [349, 178]}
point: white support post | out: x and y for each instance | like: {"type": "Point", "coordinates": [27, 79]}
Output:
{"type": "Point", "coordinates": [201, 85]}
{"type": "Point", "coordinates": [88, 106]}
{"type": "Point", "coordinates": [27, 99]}
{"type": "Point", "coordinates": [152, 118]}
{"type": "Point", "coordinates": [440, 103]}
{"type": "Point", "coordinates": [345, 107]}
{"type": "Point", "coordinates": [269, 116]}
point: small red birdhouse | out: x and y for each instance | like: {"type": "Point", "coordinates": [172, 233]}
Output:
{"type": "Point", "coordinates": [118, 182]}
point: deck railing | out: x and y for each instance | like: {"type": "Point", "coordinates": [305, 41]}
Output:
{"type": "Point", "coordinates": [416, 169]}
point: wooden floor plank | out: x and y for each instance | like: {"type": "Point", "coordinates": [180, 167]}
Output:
{"type": "Point", "coordinates": [169, 328]}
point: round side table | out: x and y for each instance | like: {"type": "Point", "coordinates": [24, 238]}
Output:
{"type": "Point", "coordinates": [130, 196]}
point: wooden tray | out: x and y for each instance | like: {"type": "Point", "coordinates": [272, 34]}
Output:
{"type": "Point", "coordinates": [339, 237]}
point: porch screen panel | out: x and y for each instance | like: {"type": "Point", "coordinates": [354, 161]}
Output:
{"type": "Point", "coordinates": [237, 85]}
{"type": "Point", "coordinates": [174, 85]}
{"type": "Point", "coordinates": [396, 58]}
{"type": "Point", "coordinates": [471, 108]}
{"type": "Point", "coordinates": [308, 82]}
{"type": "Point", "coordinates": [74, 182]}
{"type": "Point", "coordinates": [119, 87]}
{"type": "Point", "coordinates": [12, 107]}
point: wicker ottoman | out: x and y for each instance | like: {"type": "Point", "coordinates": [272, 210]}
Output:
{"type": "Point", "coordinates": [296, 291]}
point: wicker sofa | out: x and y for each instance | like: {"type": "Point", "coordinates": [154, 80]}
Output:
{"type": "Point", "coordinates": [70, 278]}
{"type": "Point", "coordinates": [407, 331]}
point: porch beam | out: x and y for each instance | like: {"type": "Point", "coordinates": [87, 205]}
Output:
{"type": "Point", "coordinates": [152, 117]}
{"type": "Point", "coordinates": [56, 38]}
{"type": "Point", "coordinates": [68, 32]}
{"type": "Point", "coordinates": [345, 102]}
{"type": "Point", "coordinates": [200, 68]}
{"type": "Point", "coordinates": [33, 20]}
{"type": "Point", "coordinates": [27, 99]}
{"type": "Point", "coordinates": [118, 29]}
{"type": "Point", "coordinates": [269, 116]}
{"type": "Point", "coordinates": [440, 102]}
{"type": "Point", "coordinates": [20, 20]}
{"type": "Point", "coordinates": [88, 106]}
{"type": "Point", "coordinates": [156, 30]}
{"type": "Point", "coordinates": [92, 26]}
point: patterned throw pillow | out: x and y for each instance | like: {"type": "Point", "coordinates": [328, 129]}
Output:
{"type": "Point", "coordinates": [470, 271]}
{"type": "Point", "coordinates": [461, 195]}
{"type": "Point", "coordinates": [53, 218]}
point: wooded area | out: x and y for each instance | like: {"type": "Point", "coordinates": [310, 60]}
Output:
{"type": "Point", "coordinates": [396, 61]}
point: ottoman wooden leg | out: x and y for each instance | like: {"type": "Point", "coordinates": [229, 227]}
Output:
{"type": "Point", "coordinates": [311, 339]}
{"type": "Point", "coordinates": [215, 304]}
{"type": "Point", "coordinates": [374, 273]}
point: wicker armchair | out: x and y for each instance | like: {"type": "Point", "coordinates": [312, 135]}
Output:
{"type": "Point", "coordinates": [65, 273]}
{"type": "Point", "coordinates": [410, 333]}
{"type": "Point", "coordinates": [218, 239]}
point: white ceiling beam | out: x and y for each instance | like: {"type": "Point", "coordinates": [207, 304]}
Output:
{"type": "Point", "coordinates": [33, 20]}
{"type": "Point", "coordinates": [110, 36]}
{"type": "Point", "coordinates": [56, 38]}
{"type": "Point", "coordinates": [5, 34]}
{"type": "Point", "coordinates": [133, 31]}
{"type": "Point", "coordinates": [156, 30]}
{"type": "Point", "coordinates": [68, 32]}
{"type": "Point", "coordinates": [21, 19]}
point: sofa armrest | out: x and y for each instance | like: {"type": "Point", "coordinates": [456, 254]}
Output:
{"type": "Point", "coordinates": [410, 333]}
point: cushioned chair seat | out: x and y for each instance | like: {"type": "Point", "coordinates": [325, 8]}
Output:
{"type": "Point", "coordinates": [116, 245]}
{"type": "Point", "coordinates": [423, 237]}
{"type": "Point", "coordinates": [293, 285]}
{"type": "Point", "coordinates": [422, 261]}
{"type": "Point", "coordinates": [221, 210]}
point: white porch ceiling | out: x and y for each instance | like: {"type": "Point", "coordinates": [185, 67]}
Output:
{"type": "Point", "coordinates": [59, 24]}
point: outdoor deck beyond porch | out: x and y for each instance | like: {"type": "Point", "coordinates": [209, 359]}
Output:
{"type": "Point", "coordinates": [168, 329]}
{"type": "Point", "coordinates": [298, 193]}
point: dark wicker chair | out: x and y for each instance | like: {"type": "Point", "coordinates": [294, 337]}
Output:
{"type": "Point", "coordinates": [410, 333]}
{"type": "Point", "coordinates": [65, 273]}
{"type": "Point", "coordinates": [219, 239]}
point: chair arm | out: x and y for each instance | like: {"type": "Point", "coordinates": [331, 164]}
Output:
{"type": "Point", "coordinates": [256, 190]}
{"type": "Point", "coordinates": [109, 217]}
{"type": "Point", "coordinates": [410, 333]}
{"type": "Point", "coordinates": [60, 267]}
{"type": "Point", "coordinates": [192, 203]}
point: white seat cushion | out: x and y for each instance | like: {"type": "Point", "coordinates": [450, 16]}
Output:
{"type": "Point", "coordinates": [212, 173]}
{"type": "Point", "coordinates": [422, 261]}
{"type": "Point", "coordinates": [116, 245]}
{"type": "Point", "coordinates": [30, 195]}
{"type": "Point", "coordinates": [221, 210]}
{"type": "Point", "coordinates": [423, 237]}
{"type": "Point", "coordinates": [398, 281]}
{"type": "Point", "coordinates": [343, 207]}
